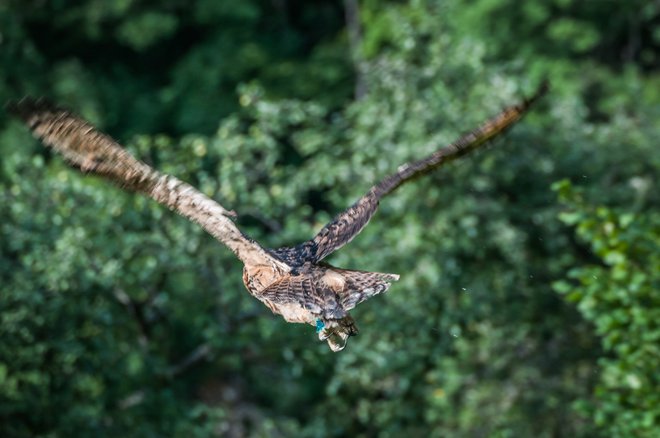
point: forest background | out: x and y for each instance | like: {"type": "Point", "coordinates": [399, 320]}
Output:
{"type": "Point", "coordinates": [529, 301]}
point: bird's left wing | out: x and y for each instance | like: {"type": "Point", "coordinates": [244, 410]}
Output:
{"type": "Point", "coordinates": [348, 224]}
{"type": "Point", "coordinates": [91, 151]}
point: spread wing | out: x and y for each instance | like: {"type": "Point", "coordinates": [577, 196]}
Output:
{"type": "Point", "coordinates": [348, 224]}
{"type": "Point", "coordinates": [90, 150]}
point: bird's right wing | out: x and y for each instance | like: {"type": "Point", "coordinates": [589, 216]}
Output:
{"type": "Point", "coordinates": [92, 151]}
{"type": "Point", "coordinates": [348, 224]}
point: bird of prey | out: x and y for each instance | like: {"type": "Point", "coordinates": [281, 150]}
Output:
{"type": "Point", "coordinates": [291, 281]}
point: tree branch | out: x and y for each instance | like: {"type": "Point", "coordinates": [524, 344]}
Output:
{"type": "Point", "coordinates": [352, 16]}
{"type": "Point", "coordinates": [197, 355]}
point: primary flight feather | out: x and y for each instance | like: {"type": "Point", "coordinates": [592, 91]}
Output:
{"type": "Point", "coordinates": [291, 281]}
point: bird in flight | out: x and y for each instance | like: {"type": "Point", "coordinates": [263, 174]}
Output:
{"type": "Point", "coordinates": [291, 281]}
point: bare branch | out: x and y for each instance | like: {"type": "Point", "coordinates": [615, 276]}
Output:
{"type": "Point", "coordinates": [200, 353]}
{"type": "Point", "coordinates": [352, 17]}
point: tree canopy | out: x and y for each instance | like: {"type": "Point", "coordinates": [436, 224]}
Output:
{"type": "Point", "coordinates": [529, 299]}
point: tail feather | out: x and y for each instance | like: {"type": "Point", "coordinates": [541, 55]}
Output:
{"type": "Point", "coordinates": [362, 285]}
{"type": "Point", "coordinates": [359, 286]}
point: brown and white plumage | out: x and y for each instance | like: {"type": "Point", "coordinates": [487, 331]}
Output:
{"type": "Point", "coordinates": [292, 282]}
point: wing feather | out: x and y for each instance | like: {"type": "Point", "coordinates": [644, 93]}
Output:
{"type": "Point", "coordinates": [91, 151]}
{"type": "Point", "coordinates": [298, 291]}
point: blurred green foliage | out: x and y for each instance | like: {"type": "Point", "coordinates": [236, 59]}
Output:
{"type": "Point", "coordinates": [620, 296]}
{"type": "Point", "coordinates": [521, 311]}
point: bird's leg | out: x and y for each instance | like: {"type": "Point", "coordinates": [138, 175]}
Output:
{"type": "Point", "coordinates": [331, 332]}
